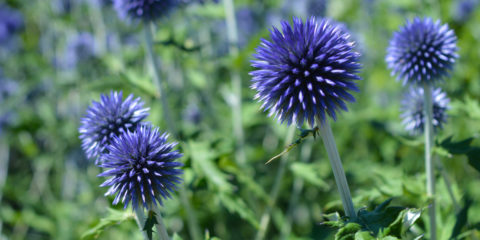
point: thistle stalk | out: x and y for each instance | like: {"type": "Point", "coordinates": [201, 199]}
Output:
{"type": "Point", "coordinates": [140, 219]}
{"type": "Point", "coordinates": [265, 219]}
{"type": "Point", "coordinates": [156, 75]}
{"type": "Point", "coordinates": [338, 172]}
{"type": "Point", "coordinates": [232, 34]}
{"type": "Point", "coordinates": [428, 112]}
{"type": "Point", "coordinates": [159, 226]}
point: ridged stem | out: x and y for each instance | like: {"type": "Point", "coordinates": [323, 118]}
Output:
{"type": "Point", "coordinates": [232, 34]}
{"type": "Point", "coordinates": [265, 219]}
{"type": "Point", "coordinates": [140, 218]}
{"type": "Point", "coordinates": [429, 167]}
{"type": "Point", "coordinates": [156, 75]}
{"type": "Point", "coordinates": [191, 215]}
{"type": "Point", "coordinates": [159, 226]}
{"type": "Point", "coordinates": [338, 172]}
{"type": "Point", "coordinates": [305, 154]}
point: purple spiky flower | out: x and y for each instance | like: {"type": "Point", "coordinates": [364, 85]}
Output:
{"type": "Point", "coordinates": [80, 48]}
{"type": "Point", "coordinates": [412, 109]}
{"type": "Point", "coordinates": [144, 9]}
{"type": "Point", "coordinates": [107, 119]}
{"type": "Point", "coordinates": [11, 21]}
{"type": "Point", "coordinates": [142, 167]}
{"type": "Point", "coordinates": [306, 71]}
{"type": "Point", "coordinates": [422, 51]}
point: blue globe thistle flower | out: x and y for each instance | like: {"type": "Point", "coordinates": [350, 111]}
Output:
{"type": "Point", "coordinates": [11, 21]}
{"type": "Point", "coordinates": [305, 72]}
{"type": "Point", "coordinates": [80, 47]}
{"type": "Point", "coordinates": [144, 9]}
{"type": "Point", "coordinates": [142, 167]}
{"type": "Point", "coordinates": [107, 119]}
{"type": "Point", "coordinates": [412, 109]}
{"type": "Point", "coordinates": [422, 51]}
{"type": "Point", "coordinates": [464, 9]}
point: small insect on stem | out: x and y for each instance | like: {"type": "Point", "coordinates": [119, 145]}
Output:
{"type": "Point", "coordinates": [304, 133]}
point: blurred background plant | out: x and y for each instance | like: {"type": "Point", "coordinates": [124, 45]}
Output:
{"type": "Point", "coordinates": [57, 56]}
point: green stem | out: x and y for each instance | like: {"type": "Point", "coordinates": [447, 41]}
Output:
{"type": "Point", "coordinates": [265, 219]}
{"type": "Point", "coordinates": [193, 226]}
{"type": "Point", "coordinates": [191, 216]}
{"type": "Point", "coordinates": [160, 227]}
{"type": "Point", "coordinates": [428, 112]}
{"type": "Point", "coordinates": [140, 218]}
{"type": "Point", "coordinates": [306, 153]}
{"type": "Point", "coordinates": [338, 172]}
{"type": "Point", "coordinates": [148, 25]}
{"type": "Point", "coordinates": [448, 185]}
{"type": "Point", "coordinates": [4, 159]}
{"type": "Point", "coordinates": [236, 83]}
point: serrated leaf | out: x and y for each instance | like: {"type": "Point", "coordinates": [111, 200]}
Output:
{"type": "Point", "coordinates": [202, 157]}
{"type": "Point", "coordinates": [463, 147]}
{"type": "Point", "coordinates": [114, 217]}
{"type": "Point", "coordinates": [364, 236]}
{"type": "Point", "coordinates": [309, 173]}
{"type": "Point", "coordinates": [380, 218]}
{"type": "Point", "coordinates": [461, 221]}
{"type": "Point", "coordinates": [237, 205]}
{"type": "Point", "coordinates": [460, 147]}
{"type": "Point", "coordinates": [348, 231]}
{"type": "Point", "coordinates": [150, 223]}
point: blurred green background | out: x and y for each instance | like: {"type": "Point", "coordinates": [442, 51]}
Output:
{"type": "Point", "coordinates": [49, 190]}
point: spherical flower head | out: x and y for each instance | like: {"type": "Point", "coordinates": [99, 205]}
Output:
{"type": "Point", "coordinates": [11, 21]}
{"type": "Point", "coordinates": [80, 47]}
{"type": "Point", "coordinates": [305, 72]}
{"type": "Point", "coordinates": [412, 109]}
{"type": "Point", "coordinates": [144, 9]}
{"type": "Point", "coordinates": [142, 167]}
{"type": "Point", "coordinates": [107, 119]}
{"type": "Point", "coordinates": [422, 51]}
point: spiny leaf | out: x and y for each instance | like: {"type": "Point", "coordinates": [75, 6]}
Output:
{"type": "Point", "coordinates": [461, 216]}
{"type": "Point", "coordinates": [150, 223]}
{"type": "Point", "coordinates": [237, 205]}
{"type": "Point", "coordinates": [462, 147]}
{"type": "Point", "coordinates": [348, 231]}
{"type": "Point", "coordinates": [114, 217]}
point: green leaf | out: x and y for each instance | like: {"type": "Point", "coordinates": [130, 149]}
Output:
{"type": "Point", "coordinates": [150, 223]}
{"type": "Point", "coordinates": [177, 237]}
{"type": "Point", "coordinates": [237, 205]}
{"type": "Point", "coordinates": [348, 232]}
{"type": "Point", "coordinates": [461, 216]}
{"type": "Point", "coordinates": [379, 218]}
{"type": "Point", "coordinates": [114, 217]}
{"type": "Point", "coordinates": [310, 173]}
{"type": "Point", "coordinates": [463, 147]}
{"type": "Point", "coordinates": [202, 157]}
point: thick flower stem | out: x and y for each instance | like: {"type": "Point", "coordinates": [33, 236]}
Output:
{"type": "Point", "coordinates": [338, 172]}
{"type": "Point", "coordinates": [156, 75]}
{"type": "Point", "coordinates": [236, 102]}
{"type": "Point", "coordinates": [160, 227]}
{"type": "Point", "coordinates": [4, 159]}
{"type": "Point", "coordinates": [428, 112]}
{"type": "Point", "coordinates": [265, 219]}
{"type": "Point", "coordinates": [140, 218]}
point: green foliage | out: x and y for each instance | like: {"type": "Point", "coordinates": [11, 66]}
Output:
{"type": "Point", "coordinates": [114, 217]}
{"type": "Point", "coordinates": [384, 222]}
{"type": "Point", "coordinates": [48, 190]}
